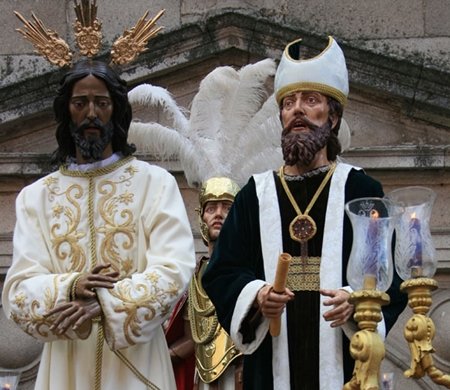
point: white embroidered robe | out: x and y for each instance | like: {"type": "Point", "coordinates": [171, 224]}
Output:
{"type": "Point", "coordinates": [129, 214]}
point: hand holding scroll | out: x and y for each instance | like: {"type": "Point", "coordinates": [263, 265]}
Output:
{"type": "Point", "coordinates": [272, 299]}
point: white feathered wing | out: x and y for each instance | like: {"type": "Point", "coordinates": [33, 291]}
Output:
{"type": "Point", "coordinates": [233, 128]}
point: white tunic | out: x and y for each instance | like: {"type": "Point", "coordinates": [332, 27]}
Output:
{"type": "Point", "coordinates": [129, 214]}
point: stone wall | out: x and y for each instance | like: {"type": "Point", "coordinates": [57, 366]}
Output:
{"type": "Point", "coordinates": [399, 106]}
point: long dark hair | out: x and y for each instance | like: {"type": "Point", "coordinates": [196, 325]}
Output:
{"type": "Point", "coordinates": [121, 116]}
{"type": "Point", "coordinates": [334, 147]}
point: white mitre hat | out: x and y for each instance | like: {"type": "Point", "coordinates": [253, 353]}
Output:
{"type": "Point", "coordinates": [326, 73]}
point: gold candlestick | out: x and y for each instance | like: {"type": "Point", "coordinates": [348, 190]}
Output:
{"type": "Point", "coordinates": [416, 264]}
{"type": "Point", "coordinates": [366, 345]}
{"type": "Point", "coordinates": [369, 273]}
{"type": "Point", "coordinates": [419, 331]}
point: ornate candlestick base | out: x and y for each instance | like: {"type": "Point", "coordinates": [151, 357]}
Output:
{"type": "Point", "coordinates": [419, 331]}
{"type": "Point", "coordinates": [366, 346]}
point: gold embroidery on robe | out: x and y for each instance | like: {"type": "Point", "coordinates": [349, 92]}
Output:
{"type": "Point", "coordinates": [144, 297]}
{"type": "Point", "coordinates": [65, 235]}
{"type": "Point", "coordinates": [32, 319]}
{"type": "Point", "coordinates": [304, 276]}
{"type": "Point", "coordinates": [118, 227]}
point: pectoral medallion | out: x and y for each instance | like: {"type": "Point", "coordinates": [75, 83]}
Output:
{"type": "Point", "coordinates": [302, 228]}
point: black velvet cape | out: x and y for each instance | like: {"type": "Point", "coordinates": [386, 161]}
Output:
{"type": "Point", "coordinates": [237, 260]}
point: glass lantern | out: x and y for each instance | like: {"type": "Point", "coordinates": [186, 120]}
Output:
{"type": "Point", "coordinates": [415, 255]}
{"type": "Point", "coordinates": [9, 380]}
{"type": "Point", "coordinates": [370, 264]}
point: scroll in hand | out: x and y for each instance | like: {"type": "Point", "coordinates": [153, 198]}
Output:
{"type": "Point", "coordinates": [279, 286]}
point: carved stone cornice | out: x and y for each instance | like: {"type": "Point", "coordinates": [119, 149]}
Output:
{"type": "Point", "coordinates": [421, 92]}
{"type": "Point", "coordinates": [404, 157]}
{"type": "Point", "coordinates": [408, 158]}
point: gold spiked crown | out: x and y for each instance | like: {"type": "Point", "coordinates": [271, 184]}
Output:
{"type": "Point", "coordinates": [88, 36]}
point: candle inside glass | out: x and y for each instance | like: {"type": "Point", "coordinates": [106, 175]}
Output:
{"type": "Point", "coordinates": [9, 380]}
{"type": "Point", "coordinates": [415, 261]}
{"type": "Point", "coordinates": [374, 252]}
{"type": "Point", "coordinates": [387, 381]}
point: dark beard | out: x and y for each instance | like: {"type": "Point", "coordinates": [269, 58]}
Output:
{"type": "Point", "coordinates": [301, 147]}
{"type": "Point", "coordinates": [91, 149]}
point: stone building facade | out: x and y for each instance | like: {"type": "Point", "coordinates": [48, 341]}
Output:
{"type": "Point", "coordinates": [398, 56]}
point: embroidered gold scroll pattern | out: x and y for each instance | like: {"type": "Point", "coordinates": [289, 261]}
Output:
{"type": "Point", "coordinates": [118, 228]}
{"type": "Point", "coordinates": [64, 232]}
{"type": "Point", "coordinates": [30, 317]}
{"type": "Point", "coordinates": [143, 300]}
{"type": "Point", "coordinates": [304, 276]}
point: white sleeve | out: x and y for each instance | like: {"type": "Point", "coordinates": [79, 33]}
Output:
{"type": "Point", "coordinates": [139, 304]}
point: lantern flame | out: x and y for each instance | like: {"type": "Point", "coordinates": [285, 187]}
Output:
{"type": "Point", "coordinates": [374, 214]}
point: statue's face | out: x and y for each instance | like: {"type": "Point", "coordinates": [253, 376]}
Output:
{"type": "Point", "coordinates": [306, 126]}
{"type": "Point", "coordinates": [312, 105]}
{"type": "Point", "coordinates": [214, 216]}
{"type": "Point", "coordinates": [91, 109]}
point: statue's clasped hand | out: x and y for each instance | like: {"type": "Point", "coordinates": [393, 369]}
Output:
{"type": "Point", "coordinates": [88, 282]}
{"type": "Point", "coordinates": [74, 314]}
{"type": "Point", "coordinates": [84, 305]}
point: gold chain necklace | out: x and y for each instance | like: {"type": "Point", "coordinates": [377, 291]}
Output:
{"type": "Point", "coordinates": [303, 227]}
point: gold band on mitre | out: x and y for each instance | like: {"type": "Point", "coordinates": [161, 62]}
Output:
{"type": "Point", "coordinates": [308, 86]}
{"type": "Point", "coordinates": [325, 73]}
{"type": "Point", "coordinates": [88, 36]}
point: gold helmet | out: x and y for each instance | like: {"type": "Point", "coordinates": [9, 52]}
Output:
{"type": "Point", "coordinates": [214, 189]}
